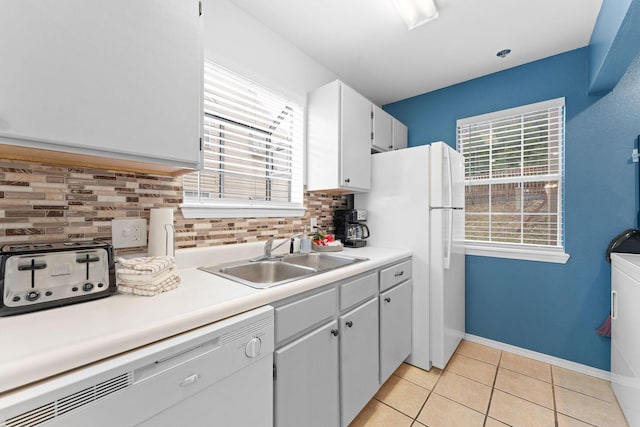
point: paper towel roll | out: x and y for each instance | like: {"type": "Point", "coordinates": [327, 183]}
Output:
{"type": "Point", "coordinates": [161, 237]}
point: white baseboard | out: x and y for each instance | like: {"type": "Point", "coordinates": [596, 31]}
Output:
{"type": "Point", "coordinates": [588, 370]}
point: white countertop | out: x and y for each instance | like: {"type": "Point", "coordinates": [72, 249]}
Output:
{"type": "Point", "coordinates": [45, 343]}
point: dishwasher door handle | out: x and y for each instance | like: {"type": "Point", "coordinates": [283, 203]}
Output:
{"type": "Point", "coordinates": [191, 379]}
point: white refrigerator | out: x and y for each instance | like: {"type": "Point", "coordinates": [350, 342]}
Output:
{"type": "Point", "coordinates": [417, 202]}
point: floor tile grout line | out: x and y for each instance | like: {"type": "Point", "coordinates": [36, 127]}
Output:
{"type": "Point", "coordinates": [522, 398]}
{"type": "Point", "coordinates": [493, 387]}
{"type": "Point", "coordinates": [432, 391]}
{"type": "Point", "coordinates": [578, 419]}
{"type": "Point", "coordinates": [584, 394]}
{"type": "Point", "coordinates": [526, 375]}
{"type": "Point", "coordinates": [415, 383]}
{"type": "Point", "coordinates": [553, 394]}
{"type": "Point", "coordinates": [394, 408]}
{"type": "Point", "coordinates": [415, 420]}
{"type": "Point", "coordinates": [478, 359]}
{"type": "Point", "coordinates": [466, 377]}
{"type": "Point", "coordinates": [455, 401]}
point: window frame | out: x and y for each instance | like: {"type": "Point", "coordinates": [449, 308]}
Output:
{"type": "Point", "coordinates": [523, 251]}
{"type": "Point", "coordinates": [240, 208]}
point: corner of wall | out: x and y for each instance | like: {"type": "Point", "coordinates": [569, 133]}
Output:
{"type": "Point", "coordinates": [613, 44]}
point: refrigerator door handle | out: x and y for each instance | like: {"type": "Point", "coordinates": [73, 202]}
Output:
{"type": "Point", "coordinates": [448, 178]}
{"type": "Point", "coordinates": [448, 239]}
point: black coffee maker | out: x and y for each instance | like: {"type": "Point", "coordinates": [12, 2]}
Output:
{"type": "Point", "coordinates": [350, 227]}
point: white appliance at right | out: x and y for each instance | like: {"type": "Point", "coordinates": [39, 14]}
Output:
{"type": "Point", "coordinates": [625, 334]}
{"type": "Point", "coordinates": [417, 202]}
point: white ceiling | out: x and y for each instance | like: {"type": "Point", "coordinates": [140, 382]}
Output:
{"type": "Point", "coordinates": [366, 43]}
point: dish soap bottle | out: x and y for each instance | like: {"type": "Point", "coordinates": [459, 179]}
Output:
{"type": "Point", "coordinates": [305, 242]}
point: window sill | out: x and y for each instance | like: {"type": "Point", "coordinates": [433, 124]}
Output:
{"type": "Point", "coordinates": [553, 255]}
{"type": "Point", "coordinates": [199, 210]}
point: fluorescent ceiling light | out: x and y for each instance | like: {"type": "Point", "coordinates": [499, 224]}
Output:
{"type": "Point", "coordinates": [416, 12]}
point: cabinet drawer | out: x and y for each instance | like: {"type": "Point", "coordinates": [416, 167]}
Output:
{"type": "Point", "coordinates": [358, 290]}
{"type": "Point", "coordinates": [396, 274]}
{"type": "Point", "coordinates": [302, 314]}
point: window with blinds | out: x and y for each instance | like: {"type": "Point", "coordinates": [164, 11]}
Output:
{"type": "Point", "coordinates": [513, 175]}
{"type": "Point", "coordinates": [252, 147]}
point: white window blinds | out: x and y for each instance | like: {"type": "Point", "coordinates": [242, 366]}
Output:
{"type": "Point", "coordinates": [252, 145]}
{"type": "Point", "coordinates": [513, 175]}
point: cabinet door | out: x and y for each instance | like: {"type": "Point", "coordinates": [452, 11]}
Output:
{"type": "Point", "coordinates": [400, 134]}
{"type": "Point", "coordinates": [381, 129]}
{"type": "Point", "coordinates": [355, 140]}
{"type": "Point", "coordinates": [306, 380]}
{"type": "Point", "coordinates": [109, 78]}
{"type": "Point", "coordinates": [395, 328]}
{"type": "Point", "coordinates": [358, 358]}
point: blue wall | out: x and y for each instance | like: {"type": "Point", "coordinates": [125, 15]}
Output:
{"type": "Point", "coordinates": [545, 307]}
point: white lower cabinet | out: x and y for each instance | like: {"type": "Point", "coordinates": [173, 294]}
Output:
{"type": "Point", "coordinates": [395, 328]}
{"type": "Point", "coordinates": [335, 344]}
{"type": "Point", "coordinates": [358, 361]}
{"type": "Point", "coordinates": [306, 380]}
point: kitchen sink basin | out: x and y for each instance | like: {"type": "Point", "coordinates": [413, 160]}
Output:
{"type": "Point", "coordinates": [320, 261]}
{"type": "Point", "coordinates": [268, 273]}
{"type": "Point", "coordinates": [261, 274]}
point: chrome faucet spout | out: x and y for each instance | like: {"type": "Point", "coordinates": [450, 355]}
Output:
{"type": "Point", "coordinates": [269, 248]}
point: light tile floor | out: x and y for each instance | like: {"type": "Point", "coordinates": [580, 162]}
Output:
{"type": "Point", "coordinates": [482, 386]}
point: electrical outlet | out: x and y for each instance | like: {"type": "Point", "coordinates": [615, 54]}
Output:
{"type": "Point", "coordinates": [314, 223]}
{"type": "Point", "coordinates": [128, 233]}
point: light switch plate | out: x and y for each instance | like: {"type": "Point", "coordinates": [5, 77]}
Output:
{"type": "Point", "coordinates": [128, 233]}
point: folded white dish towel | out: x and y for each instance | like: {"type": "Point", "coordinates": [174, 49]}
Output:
{"type": "Point", "coordinates": [145, 265]}
{"type": "Point", "coordinates": [135, 279]}
{"type": "Point", "coordinates": [147, 275]}
{"type": "Point", "coordinates": [150, 289]}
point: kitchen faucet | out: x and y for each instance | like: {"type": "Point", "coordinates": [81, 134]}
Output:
{"type": "Point", "coordinates": [269, 248]}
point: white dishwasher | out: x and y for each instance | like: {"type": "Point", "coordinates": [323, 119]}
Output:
{"type": "Point", "coordinates": [216, 375]}
{"type": "Point", "coordinates": [625, 334]}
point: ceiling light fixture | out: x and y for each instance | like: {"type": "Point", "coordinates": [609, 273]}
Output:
{"type": "Point", "coordinates": [503, 53]}
{"type": "Point", "coordinates": [416, 12]}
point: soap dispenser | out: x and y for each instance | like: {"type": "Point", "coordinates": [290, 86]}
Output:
{"type": "Point", "coordinates": [305, 242]}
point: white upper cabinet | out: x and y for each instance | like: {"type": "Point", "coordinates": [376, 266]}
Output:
{"type": "Point", "coordinates": [387, 132]}
{"type": "Point", "coordinates": [115, 79]}
{"type": "Point", "coordinates": [381, 129]}
{"type": "Point", "coordinates": [338, 139]}
{"type": "Point", "coordinates": [399, 134]}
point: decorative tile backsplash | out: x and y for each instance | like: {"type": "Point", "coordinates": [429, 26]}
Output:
{"type": "Point", "coordinates": [50, 202]}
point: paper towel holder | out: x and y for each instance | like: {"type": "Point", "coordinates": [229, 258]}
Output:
{"type": "Point", "coordinates": [169, 228]}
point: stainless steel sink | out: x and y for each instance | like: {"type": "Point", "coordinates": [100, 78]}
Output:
{"type": "Point", "coordinates": [267, 273]}
{"type": "Point", "coordinates": [320, 261]}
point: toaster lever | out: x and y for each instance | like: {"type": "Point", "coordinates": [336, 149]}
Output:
{"type": "Point", "coordinates": [32, 266]}
{"type": "Point", "coordinates": [87, 259]}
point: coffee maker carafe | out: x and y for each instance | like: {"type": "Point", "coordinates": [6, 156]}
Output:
{"type": "Point", "coordinates": [350, 227]}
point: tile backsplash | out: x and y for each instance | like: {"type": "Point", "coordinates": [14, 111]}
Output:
{"type": "Point", "coordinates": [41, 202]}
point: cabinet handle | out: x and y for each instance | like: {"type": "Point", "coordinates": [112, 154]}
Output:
{"type": "Point", "coordinates": [387, 299]}
{"type": "Point", "coordinates": [614, 305]}
{"type": "Point", "coordinates": [334, 332]}
{"type": "Point", "coordinates": [399, 274]}
{"type": "Point", "coordinates": [349, 323]}
{"type": "Point", "coordinates": [347, 180]}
